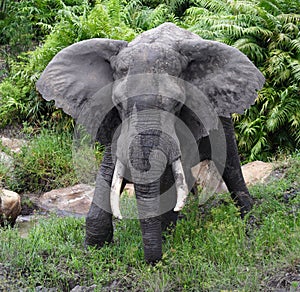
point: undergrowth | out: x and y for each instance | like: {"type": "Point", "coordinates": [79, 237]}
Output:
{"type": "Point", "coordinates": [43, 164]}
{"type": "Point", "coordinates": [212, 249]}
{"type": "Point", "coordinates": [49, 160]}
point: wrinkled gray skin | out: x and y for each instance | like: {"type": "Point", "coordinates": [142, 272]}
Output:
{"type": "Point", "coordinates": [128, 117]}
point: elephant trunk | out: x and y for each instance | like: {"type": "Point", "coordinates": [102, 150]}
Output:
{"type": "Point", "coordinates": [147, 152]}
{"type": "Point", "coordinates": [148, 158]}
{"type": "Point", "coordinates": [148, 202]}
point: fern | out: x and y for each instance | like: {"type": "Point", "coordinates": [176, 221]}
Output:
{"type": "Point", "coordinates": [75, 23]}
{"type": "Point", "coordinates": [235, 31]}
{"type": "Point", "coordinates": [249, 47]}
{"type": "Point", "coordinates": [214, 5]}
{"type": "Point", "coordinates": [244, 7]}
{"type": "Point", "coordinates": [271, 6]}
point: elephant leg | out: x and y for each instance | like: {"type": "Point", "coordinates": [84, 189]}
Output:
{"type": "Point", "coordinates": [231, 172]}
{"type": "Point", "coordinates": [99, 228]}
{"type": "Point", "coordinates": [169, 197]}
{"type": "Point", "coordinates": [168, 200]}
{"type": "Point", "coordinates": [169, 220]}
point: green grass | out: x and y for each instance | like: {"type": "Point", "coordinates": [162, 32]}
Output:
{"type": "Point", "coordinates": [212, 249]}
{"type": "Point", "coordinates": [45, 163]}
{"type": "Point", "coordinates": [48, 161]}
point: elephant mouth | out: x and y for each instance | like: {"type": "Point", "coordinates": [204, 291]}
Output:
{"type": "Point", "coordinates": [180, 183]}
{"type": "Point", "coordinates": [152, 146]}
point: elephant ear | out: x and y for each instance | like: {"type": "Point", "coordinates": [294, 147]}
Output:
{"type": "Point", "coordinates": [78, 80]}
{"type": "Point", "coordinates": [222, 75]}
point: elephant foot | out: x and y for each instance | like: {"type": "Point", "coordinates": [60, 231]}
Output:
{"type": "Point", "coordinates": [194, 190]}
{"type": "Point", "coordinates": [244, 201]}
{"type": "Point", "coordinates": [99, 228]}
{"type": "Point", "coordinates": [168, 221]}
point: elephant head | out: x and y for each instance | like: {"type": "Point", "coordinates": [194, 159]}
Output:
{"type": "Point", "coordinates": [145, 100]}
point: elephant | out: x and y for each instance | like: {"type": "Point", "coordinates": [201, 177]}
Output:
{"type": "Point", "coordinates": [159, 104]}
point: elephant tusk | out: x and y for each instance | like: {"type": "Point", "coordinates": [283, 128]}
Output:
{"type": "Point", "coordinates": [181, 185]}
{"type": "Point", "coordinates": [116, 188]}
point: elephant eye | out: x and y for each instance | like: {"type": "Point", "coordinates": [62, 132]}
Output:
{"type": "Point", "coordinates": [177, 106]}
{"type": "Point", "coordinates": [119, 106]}
{"type": "Point", "coordinates": [123, 70]}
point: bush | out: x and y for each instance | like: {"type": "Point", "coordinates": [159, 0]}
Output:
{"type": "Point", "coordinates": [45, 164]}
{"type": "Point", "coordinates": [19, 100]}
{"type": "Point", "coordinates": [25, 23]}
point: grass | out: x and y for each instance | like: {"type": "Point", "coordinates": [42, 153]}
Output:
{"type": "Point", "coordinates": [212, 249]}
{"type": "Point", "coordinates": [50, 160]}
{"type": "Point", "coordinates": [43, 164]}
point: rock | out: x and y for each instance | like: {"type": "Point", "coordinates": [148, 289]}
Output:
{"type": "Point", "coordinates": [44, 289]}
{"type": "Point", "coordinates": [209, 179]}
{"type": "Point", "coordinates": [10, 207]}
{"type": "Point", "coordinates": [84, 288]}
{"type": "Point", "coordinates": [254, 172]}
{"type": "Point", "coordinates": [72, 200]}
{"type": "Point", "coordinates": [6, 160]}
{"type": "Point", "coordinates": [14, 145]}
{"type": "Point", "coordinates": [129, 190]}
{"type": "Point", "coordinates": [75, 200]}
{"type": "Point", "coordinates": [257, 172]}
{"type": "Point", "coordinates": [207, 175]}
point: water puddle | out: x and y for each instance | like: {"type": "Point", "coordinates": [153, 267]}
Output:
{"type": "Point", "coordinates": [25, 223]}
{"type": "Point", "coordinates": [25, 226]}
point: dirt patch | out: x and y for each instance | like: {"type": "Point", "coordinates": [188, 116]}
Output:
{"type": "Point", "coordinates": [13, 131]}
{"type": "Point", "coordinates": [29, 205]}
{"type": "Point", "coordinates": [287, 279]}
{"type": "Point", "coordinates": [9, 279]}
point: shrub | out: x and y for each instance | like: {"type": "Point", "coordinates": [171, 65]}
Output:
{"type": "Point", "coordinates": [24, 23]}
{"type": "Point", "coordinates": [44, 164]}
{"type": "Point", "coordinates": [19, 100]}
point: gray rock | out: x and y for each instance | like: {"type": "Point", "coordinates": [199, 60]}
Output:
{"type": "Point", "coordinates": [14, 145]}
{"type": "Point", "coordinates": [84, 288]}
{"type": "Point", "coordinates": [211, 182]}
{"type": "Point", "coordinates": [74, 200]}
{"type": "Point", "coordinates": [6, 160]}
{"type": "Point", "coordinates": [43, 289]}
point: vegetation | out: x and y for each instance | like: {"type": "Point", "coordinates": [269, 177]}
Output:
{"type": "Point", "coordinates": [19, 100]}
{"type": "Point", "coordinates": [48, 161]}
{"type": "Point", "coordinates": [44, 164]}
{"type": "Point", "coordinates": [211, 249]}
{"type": "Point", "coordinates": [25, 23]}
{"type": "Point", "coordinates": [266, 30]}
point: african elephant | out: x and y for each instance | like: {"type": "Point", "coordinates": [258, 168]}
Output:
{"type": "Point", "coordinates": [159, 104]}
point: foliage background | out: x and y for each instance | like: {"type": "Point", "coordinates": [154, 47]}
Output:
{"type": "Point", "coordinates": [267, 31]}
